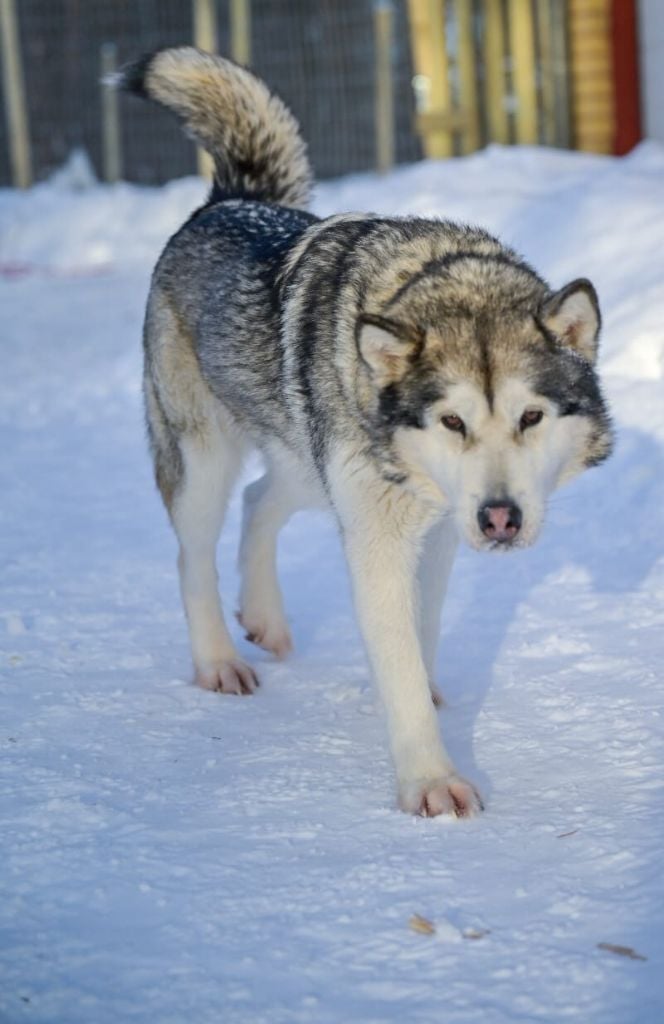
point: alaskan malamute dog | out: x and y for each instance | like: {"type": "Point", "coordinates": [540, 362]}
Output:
{"type": "Point", "coordinates": [415, 376]}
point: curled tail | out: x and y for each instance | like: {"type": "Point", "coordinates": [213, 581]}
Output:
{"type": "Point", "coordinates": [250, 133]}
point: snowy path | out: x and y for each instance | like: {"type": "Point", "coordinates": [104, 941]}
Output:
{"type": "Point", "coordinates": [168, 855]}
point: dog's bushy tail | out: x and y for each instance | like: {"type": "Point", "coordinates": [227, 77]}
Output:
{"type": "Point", "coordinates": [250, 133]}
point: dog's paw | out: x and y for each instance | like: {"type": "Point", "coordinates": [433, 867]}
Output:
{"type": "Point", "coordinates": [229, 676]}
{"type": "Point", "coordinates": [450, 795]}
{"type": "Point", "coordinates": [272, 635]}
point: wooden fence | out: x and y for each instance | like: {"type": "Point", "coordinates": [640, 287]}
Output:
{"type": "Point", "coordinates": [490, 71]}
{"type": "Point", "coordinates": [373, 82]}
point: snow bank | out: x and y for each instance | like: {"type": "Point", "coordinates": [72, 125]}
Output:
{"type": "Point", "coordinates": [71, 224]}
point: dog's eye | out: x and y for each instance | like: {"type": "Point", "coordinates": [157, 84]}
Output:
{"type": "Point", "coordinates": [531, 418]}
{"type": "Point", "coordinates": [454, 423]}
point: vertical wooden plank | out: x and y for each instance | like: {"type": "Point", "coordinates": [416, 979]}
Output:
{"type": "Point", "coordinates": [205, 38]}
{"type": "Point", "coordinates": [626, 92]}
{"type": "Point", "coordinates": [468, 92]}
{"type": "Point", "coordinates": [14, 89]}
{"type": "Point", "coordinates": [205, 25]}
{"type": "Point", "coordinates": [592, 74]}
{"type": "Point", "coordinates": [522, 50]}
{"type": "Point", "coordinates": [548, 83]}
{"type": "Point", "coordinates": [560, 67]}
{"type": "Point", "coordinates": [495, 78]}
{"type": "Point", "coordinates": [110, 116]}
{"type": "Point", "coordinates": [383, 12]}
{"type": "Point", "coordinates": [427, 35]}
{"type": "Point", "coordinates": [240, 16]}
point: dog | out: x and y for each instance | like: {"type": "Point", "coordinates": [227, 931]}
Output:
{"type": "Point", "coordinates": [415, 376]}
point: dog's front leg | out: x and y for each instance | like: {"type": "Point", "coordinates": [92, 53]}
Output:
{"type": "Point", "coordinates": [436, 559]}
{"type": "Point", "coordinates": [382, 531]}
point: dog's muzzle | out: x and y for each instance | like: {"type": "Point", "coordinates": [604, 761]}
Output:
{"type": "Point", "coordinates": [500, 521]}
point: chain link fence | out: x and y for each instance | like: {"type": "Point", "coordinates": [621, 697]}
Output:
{"type": "Point", "coordinates": [317, 54]}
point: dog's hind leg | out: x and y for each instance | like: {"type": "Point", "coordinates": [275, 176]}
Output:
{"type": "Point", "coordinates": [210, 463]}
{"type": "Point", "coordinates": [197, 454]}
{"type": "Point", "coordinates": [268, 505]}
{"type": "Point", "coordinates": [436, 559]}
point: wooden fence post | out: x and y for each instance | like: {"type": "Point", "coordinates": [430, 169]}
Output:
{"type": "Point", "coordinates": [495, 79]}
{"type": "Point", "coordinates": [522, 49]}
{"type": "Point", "coordinates": [110, 116]}
{"type": "Point", "coordinates": [626, 91]}
{"type": "Point", "coordinates": [205, 38]}
{"type": "Point", "coordinates": [240, 15]}
{"type": "Point", "coordinates": [435, 119]}
{"type": "Point", "coordinates": [592, 74]}
{"type": "Point", "coordinates": [547, 77]}
{"type": "Point", "coordinates": [384, 94]}
{"type": "Point", "coordinates": [559, 71]}
{"type": "Point", "coordinates": [467, 63]}
{"type": "Point", "coordinates": [14, 89]}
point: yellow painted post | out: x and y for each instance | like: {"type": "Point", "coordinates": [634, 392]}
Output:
{"type": "Point", "coordinates": [384, 97]}
{"type": "Point", "coordinates": [495, 79]}
{"type": "Point", "coordinates": [522, 50]}
{"type": "Point", "coordinates": [435, 118]}
{"type": "Point", "coordinates": [14, 89]}
{"type": "Point", "coordinates": [547, 71]}
{"type": "Point", "coordinates": [240, 14]}
{"type": "Point", "coordinates": [205, 38]}
{"type": "Point", "coordinates": [468, 93]}
{"type": "Point", "coordinates": [561, 76]}
{"type": "Point", "coordinates": [592, 86]}
{"type": "Point", "coordinates": [205, 25]}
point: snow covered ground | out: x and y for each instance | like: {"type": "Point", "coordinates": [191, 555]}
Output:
{"type": "Point", "coordinates": [168, 855]}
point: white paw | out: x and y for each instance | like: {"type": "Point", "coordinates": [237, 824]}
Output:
{"type": "Point", "coordinates": [450, 795]}
{"type": "Point", "coordinates": [272, 634]}
{"type": "Point", "coordinates": [229, 676]}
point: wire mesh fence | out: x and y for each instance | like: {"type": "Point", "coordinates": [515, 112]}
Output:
{"type": "Point", "coordinates": [318, 55]}
{"type": "Point", "coordinates": [321, 56]}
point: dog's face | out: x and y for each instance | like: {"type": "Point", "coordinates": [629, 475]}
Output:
{"type": "Point", "coordinates": [497, 408]}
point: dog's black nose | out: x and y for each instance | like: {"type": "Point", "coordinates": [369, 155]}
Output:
{"type": "Point", "coordinates": [500, 520]}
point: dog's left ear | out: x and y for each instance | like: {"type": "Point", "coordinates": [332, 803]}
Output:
{"type": "Point", "coordinates": [388, 348]}
{"type": "Point", "coordinates": [573, 316]}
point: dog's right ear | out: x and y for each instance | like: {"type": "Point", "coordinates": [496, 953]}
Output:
{"type": "Point", "coordinates": [388, 348]}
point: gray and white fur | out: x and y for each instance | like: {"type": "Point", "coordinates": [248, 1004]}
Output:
{"type": "Point", "coordinates": [415, 376]}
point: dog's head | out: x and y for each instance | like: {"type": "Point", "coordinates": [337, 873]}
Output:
{"type": "Point", "coordinates": [483, 381]}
